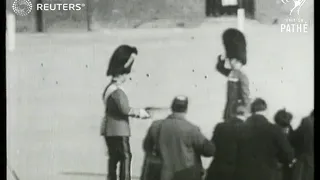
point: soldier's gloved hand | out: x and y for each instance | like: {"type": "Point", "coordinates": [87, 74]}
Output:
{"type": "Point", "coordinates": [103, 127]}
{"type": "Point", "coordinates": [292, 163]}
{"type": "Point", "coordinates": [143, 114]}
{"type": "Point", "coordinates": [134, 112]}
{"type": "Point", "coordinates": [222, 57]}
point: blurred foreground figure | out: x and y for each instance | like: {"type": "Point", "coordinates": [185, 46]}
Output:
{"type": "Point", "coordinates": [261, 146]}
{"type": "Point", "coordinates": [226, 138]}
{"type": "Point", "coordinates": [303, 142]}
{"type": "Point", "coordinates": [283, 119]}
{"type": "Point", "coordinates": [179, 145]}
{"type": "Point", "coordinates": [238, 93]}
{"type": "Point", "coordinates": [115, 125]}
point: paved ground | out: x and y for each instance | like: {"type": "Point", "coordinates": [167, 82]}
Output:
{"type": "Point", "coordinates": [55, 83]}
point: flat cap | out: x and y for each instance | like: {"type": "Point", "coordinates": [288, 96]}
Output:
{"type": "Point", "coordinates": [180, 104]}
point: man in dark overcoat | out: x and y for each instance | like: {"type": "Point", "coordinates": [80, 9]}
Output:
{"type": "Point", "coordinates": [283, 119]}
{"type": "Point", "coordinates": [261, 146]}
{"type": "Point", "coordinates": [303, 142]}
{"type": "Point", "coordinates": [225, 138]}
{"type": "Point", "coordinates": [181, 144]}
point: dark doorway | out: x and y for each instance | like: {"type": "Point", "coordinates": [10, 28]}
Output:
{"type": "Point", "coordinates": [39, 18]}
{"type": "Point", "coordinates": [214, 8]}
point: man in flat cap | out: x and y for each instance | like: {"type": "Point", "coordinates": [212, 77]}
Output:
{"type": "Point", "coordinates": [181, 144]}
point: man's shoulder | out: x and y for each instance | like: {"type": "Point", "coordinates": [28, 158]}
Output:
{"type": "Point", "coordinates": [189, 127]}
{"type": "Point", "coordinates": [275, 130]}
{"type": "Point", "coordinates": [306, 123]}
{"type": "Point", "coordinates": [233, 124]}
{"type": "Point", "coordinates": [192, 125]}
{"type": "Point", "coordinates": [156, 123]}
{"type": "Point", "coordinates": [259, 120]}
{"type": "Point", "coordinates": [185, 125]}
{"type": "Point", "coordinates": [306, 120]}
{"type": "Point", "coordinates": [275, 127]}
{"type": "Point", "coordinates": [221, 125]}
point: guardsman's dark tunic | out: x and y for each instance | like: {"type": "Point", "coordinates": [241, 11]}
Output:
{"type": "Point", "coordinates": [116, 130]}
{"type": "Point", "coordinates": [237, 91]}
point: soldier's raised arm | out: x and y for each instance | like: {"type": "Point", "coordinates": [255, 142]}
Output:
{"type": "Point", "coordinates": [220, 66]}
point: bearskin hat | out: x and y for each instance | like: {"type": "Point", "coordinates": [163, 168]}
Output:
{"type": "Point", "coordinates": [235, 45]}
{"type": "Point", "coordinates": [121, 60]}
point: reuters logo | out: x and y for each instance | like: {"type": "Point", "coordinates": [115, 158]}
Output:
{"type": "Point", "coordinates": [22, 7]}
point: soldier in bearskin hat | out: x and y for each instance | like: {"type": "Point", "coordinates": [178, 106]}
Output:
{"type": "Point", "coordinates": [238, 84]}
{"type": "Point", "coordinates": [115, 125]}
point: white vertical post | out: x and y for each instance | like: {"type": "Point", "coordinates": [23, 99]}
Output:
{"type": "Point", "coordinates": [11, 32]}
{"type": "Point", "coordinates": [241, 18]}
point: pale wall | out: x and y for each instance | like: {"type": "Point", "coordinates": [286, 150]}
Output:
{"type": "Point", "coordinates": [132, 13]}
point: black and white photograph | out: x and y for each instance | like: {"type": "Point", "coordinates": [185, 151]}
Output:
{"type": "Point", "coordinates": [159, 89]}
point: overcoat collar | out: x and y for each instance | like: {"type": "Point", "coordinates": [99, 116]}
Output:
{"type": "Point", "coordinates": [235, 120]}
{"type": "Point", "coordinates": [257, 118]}
{"type": "Point", "coordinates": [179, 116]}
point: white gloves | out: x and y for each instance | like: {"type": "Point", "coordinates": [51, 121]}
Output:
{"type": "Point", "coordinates": [139, 113]}
{"type": "Point", "coordinates": [222, 57]}
{"type": "Point", "coordinates": [292, 163]}
{"type": "Point", "coordinates": [143, 114]}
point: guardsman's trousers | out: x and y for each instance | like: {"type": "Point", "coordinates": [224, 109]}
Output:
{"type": "Point", "coordinates": [119, 152]}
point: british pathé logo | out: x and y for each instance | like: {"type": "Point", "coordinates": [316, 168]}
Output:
{"type": "Point", "coordinates": [294, 23]}
{"type": "Point", "coordinates": [297, 5]}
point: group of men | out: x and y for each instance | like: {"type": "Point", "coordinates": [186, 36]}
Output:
{"type": "Point", "coordinates": [245, 146]}
{"type": "Point", "coordinates": [242, 148]}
